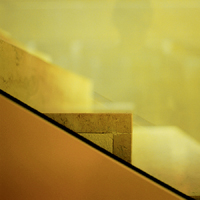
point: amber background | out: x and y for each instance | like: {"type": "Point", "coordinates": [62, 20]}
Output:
{"type": "Point", "coordinates": [143, 52]}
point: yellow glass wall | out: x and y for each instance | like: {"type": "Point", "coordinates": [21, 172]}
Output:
{"type": "Point", "coordinates": [144, 53]}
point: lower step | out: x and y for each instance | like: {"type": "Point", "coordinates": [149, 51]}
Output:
{"type": "Point", "coordinates": [111, 131]}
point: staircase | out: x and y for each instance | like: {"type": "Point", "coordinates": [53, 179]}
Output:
{"type": "Point", "coordinates": [49, 151]}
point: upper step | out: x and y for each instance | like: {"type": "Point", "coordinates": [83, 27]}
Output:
{"type": "Point", "coordinates": [40, 84]}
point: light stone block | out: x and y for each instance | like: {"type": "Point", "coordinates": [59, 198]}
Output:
{"type": "Point", "coordinates": [95, 122]}
{"type": "Point", "coordinates": [122, 144]}
{"type": "Point", "coordinates": [111, 131]}
{"type": "Point", "coordinates": [40, 84]}
{"type": "Point", "coordinates": [103, 140]}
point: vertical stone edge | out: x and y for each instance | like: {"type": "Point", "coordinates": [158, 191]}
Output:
{"type": "Point", "coordinates": [122, 146]}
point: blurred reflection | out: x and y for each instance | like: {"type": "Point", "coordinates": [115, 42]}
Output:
{"type": "Point", "coordinates": [132, 19]}
{"type": "Point", "coordinates": [167, 153]}
{"type": "Point", "coordinates": [141, 51]}
{"type": "Point", "coordinates": [145, 52]}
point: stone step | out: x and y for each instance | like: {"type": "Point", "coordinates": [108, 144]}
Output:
{"type": "Point", "coordinates": [111, 131]}
{"type": "Point", "coordinates": [40, 84]}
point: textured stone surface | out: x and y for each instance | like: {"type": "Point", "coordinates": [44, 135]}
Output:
{"type": "Point", "coordinates": [45, 87]}
{"type": "Point", "coordinates": [103, 140]}
{"type": "Point", "coordinates": [95, 122]}
{"type": "Point", "coordinates": [111, 131]}
{"type": "Point", "coordinates": [122, 146]}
